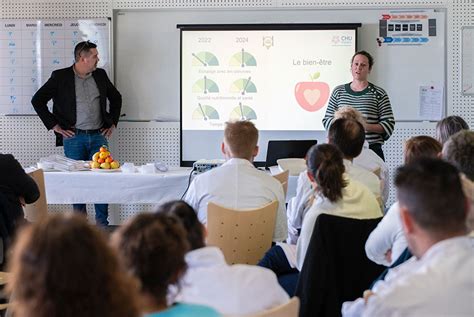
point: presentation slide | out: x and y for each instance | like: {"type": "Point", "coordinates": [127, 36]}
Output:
{"type": "Point", "coordinates": [281, 80]}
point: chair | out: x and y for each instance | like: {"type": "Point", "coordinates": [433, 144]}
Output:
{"type": "Point", "coordinates": [243, 235]}
{"type": "Point", "coordinates": [38, 209]}
{"type": "Point", "coordinates": [336, 268]}
{"type": "Point", "coordinates": [283, 179]}
{"type": "Point", "coordinates": [289, 309]}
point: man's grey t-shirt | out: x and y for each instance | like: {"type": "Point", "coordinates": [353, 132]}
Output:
{"type": "Point", "coordinates": [89, 116]}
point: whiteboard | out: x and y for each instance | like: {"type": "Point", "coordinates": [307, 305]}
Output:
{"type": "Point", "coordinates": [147, 55]}
{"type": "Point", "coordinates": [31, 49]}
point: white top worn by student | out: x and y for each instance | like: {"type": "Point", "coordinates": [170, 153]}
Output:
{"type": "Point", "coordinates": [237, 289]}
{"type": "Point", "coordinates": [299, 205]}
{"type": "Point", "coordinates": [237, 184]}
{"type": "Point", "coordinates": [356, 202]}
{"type": "Point", "coordinates": [439, 279]}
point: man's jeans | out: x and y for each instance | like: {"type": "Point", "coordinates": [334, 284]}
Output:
{"type": "Point", "coordinates": [81, 147]}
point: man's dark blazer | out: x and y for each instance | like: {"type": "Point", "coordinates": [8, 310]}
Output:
{"type": "Point", "coordinates": [61, 88]}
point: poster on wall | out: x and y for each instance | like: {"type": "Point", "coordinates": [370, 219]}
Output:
{"type": "Point", "coordinates": [406, 28]}
{"type": "Point", "coordinates": [31, 49]}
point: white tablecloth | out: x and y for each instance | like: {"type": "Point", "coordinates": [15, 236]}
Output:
{"type": "Point", "coordinates": [115, 187]}
{"type": "Point", "coordinates": [122, 188]}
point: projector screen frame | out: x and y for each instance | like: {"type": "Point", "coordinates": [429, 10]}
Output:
{"type": "Point", "coordinates": [248, 27]}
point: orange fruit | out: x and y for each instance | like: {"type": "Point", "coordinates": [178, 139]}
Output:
{"type": "Point", "coordinates": [104, 155]}
{"type": "Point", "coordinates": [101, 160]}
{"type": "Point", "coordinates": [103, 148]}
{"type": "Point", "coordinates": [109, 159]}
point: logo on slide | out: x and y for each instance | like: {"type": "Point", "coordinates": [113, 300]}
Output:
{"type": "Point", "coordinates": [312, 95]}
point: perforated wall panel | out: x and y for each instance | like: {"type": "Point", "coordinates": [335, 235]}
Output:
{"type": "Point", "coordinates": [161, 4]}
{"type": "Point", "coordinates": [54, 9]}
{"type": "Point", "coordinates": [368, 3]}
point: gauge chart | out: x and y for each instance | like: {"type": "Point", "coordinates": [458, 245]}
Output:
{"type": "Point", "coordinates": [243, 59]}
{"type": "Point", "coordinates": [243, 112]}
{"type": "Point", "coordinates": [204, 59]}
{"type": "Point", "coordinates": [205, 85]}
{"type": "Point", "coordinates": [243, 86]}
{"type": "Point", "coordinates": [205, 112]}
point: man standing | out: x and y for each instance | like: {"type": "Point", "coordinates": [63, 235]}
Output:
{"type": "Point", "coordinates": [80, 119]}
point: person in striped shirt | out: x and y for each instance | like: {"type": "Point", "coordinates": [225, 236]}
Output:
{"type": "Point", "coordinates": [371, 100]}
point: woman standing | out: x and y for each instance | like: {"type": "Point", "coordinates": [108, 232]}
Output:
{"type": "Point", "coordinates": [371, 100]}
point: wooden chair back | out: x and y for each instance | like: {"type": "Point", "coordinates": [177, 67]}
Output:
{"type": "Point", "coordinates": [243, 235]}
{"type": "Point", "coordinates": [38, 209]}
{"type": "Point", "coordinates": [289, 309]}
{"type": "Point", "coordinates": [283, 179]}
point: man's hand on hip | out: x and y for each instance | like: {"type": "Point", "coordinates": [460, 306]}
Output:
{"type": "Point", "coordinates": [64, 133]}
{"type": "Point", "coordinates": [107, 132]}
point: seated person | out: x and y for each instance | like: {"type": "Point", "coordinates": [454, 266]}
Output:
{"type": "Point", "coordinates": [449, 126]}
{"type": "Point", "coordinates": [335, 193]}
{"type": "Point", "coordinates": [349, 137]}
{"type": "Point", "coordinates": [62, 266]}
{"type": "Point", "coordinates": [367, 159]}
{"type": "Point", "coordinates": [17, 187]}
{"type": "Point", "coordinates": [459, 151]}
{"type": "Point", "coordinates": [387, 242]}
{"type": "Point", "coordinates": [209, 280]}
{"type": "Point", "coordinates": [438, 280]}
{"type": "Point", "coordinates": [151, 248]}
{"type": "Point", "coordinates": [237, 184]}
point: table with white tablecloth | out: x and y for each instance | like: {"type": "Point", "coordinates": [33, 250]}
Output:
{"type": "Point", "coordinates": [115, 187]}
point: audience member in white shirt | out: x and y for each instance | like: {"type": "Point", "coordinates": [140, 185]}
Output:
{"type": "Point", "coordinates": [387, 241]}
{"type": "Point", "coordinates": [230, 289]}
{"type": "Point", "coordinates": [438, 281]}
{"type": "Point", "coordinates": [237, 184]}
{"type": "Point", "coordinates": [334, 193]}
{"type": "Point", "coordinates": [349, 137]}
{"type": "Point", "coordinates": [459, 151]}
{"type": "Point", "coordinates": [367, 159]}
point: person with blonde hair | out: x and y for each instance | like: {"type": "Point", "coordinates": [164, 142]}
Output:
{"type": "Point", "coordinates": [237, 184]}
{"type": "Point", "coordinates": [152, 247]}
{"type": "Point", "coordinates": [62, 266]}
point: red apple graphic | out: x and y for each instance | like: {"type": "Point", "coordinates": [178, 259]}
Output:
{"type": "Point", "coordinates": [312, 95]}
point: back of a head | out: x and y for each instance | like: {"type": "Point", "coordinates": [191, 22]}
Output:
{"type": "Point", "coordinates": [431, 190]}
{"type": "Point", "coordinates": [152, 248]}
{"type": "Point", "coordinates": [449, 126]}
{"type": "Point", "coordinates": [325, 163]}
{"type": "Point", "coordinates": [347, 112]}
{"type": "Point", "coordinates": [421, 146]}
{"type": "Point", "coordinates": [62, 266]}
{"type": "Point", "coordinates": [459, 151]}
{"type": "Point", "coordinates": [348, 135]}
{"type": "Point", "coordinates": [241, 138]}
{"type": "Point", "coordinates": [188, 218]}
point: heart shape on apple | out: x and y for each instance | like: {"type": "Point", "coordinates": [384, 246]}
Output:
{"type": "Point", "coordinates": [311, 95]}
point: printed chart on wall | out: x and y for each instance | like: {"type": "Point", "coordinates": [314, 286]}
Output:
{"type": "Point", "coordinates": [278, 79]}
{"type": "Point", "coordinates": [31, 49]}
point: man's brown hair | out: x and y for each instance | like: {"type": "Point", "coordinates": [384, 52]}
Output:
{"type": "Point", "coordinates": [240, 138]}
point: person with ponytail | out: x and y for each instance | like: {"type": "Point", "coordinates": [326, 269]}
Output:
{"type": "Point", "coordinates": [335, 193]}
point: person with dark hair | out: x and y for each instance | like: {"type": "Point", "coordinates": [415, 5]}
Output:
{"type": "Point", "coordinates": [459, 151]}
{"type": "Point", "coordinates": [349, 137]}
{"type": "Point", "coordinates": [16, 189]}
{"type": "Point", "coordinates": [449, 126]}
{"type": "Point", "coordinates": [438, 280]}
{"type": "Point", "coordinates": [387, 242]}
{"type": "Point", "coordinates": [81, 118]}
{"type": "Point", "coordinates": [209, 280]}
{"type": "Point", "coordinates": [237, 184]}
{"type": "Point", "coordinates": [334, 193]}
{"type": "Point", "coordinates": [62, 266]}
{"type": "Point", "coordinates": [371, 100]}
{"type": "Point", "coordinates": [151, 248]}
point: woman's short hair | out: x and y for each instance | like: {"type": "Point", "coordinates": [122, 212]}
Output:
{"type": "Point", "coordinates": [421, 146]}
{"type": "Point", "coordinates": [62, 266]}
{"type": "Point", "coordinates": [152, 248]}
{"type": "Point", "coordinates": [366, 54]}
{"type": "Point", "coordinates": [459, 151]}
{"type": "Point", "coordinates": [325, 163]}
{"type": "Point", "coordinates": [449, 126]}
